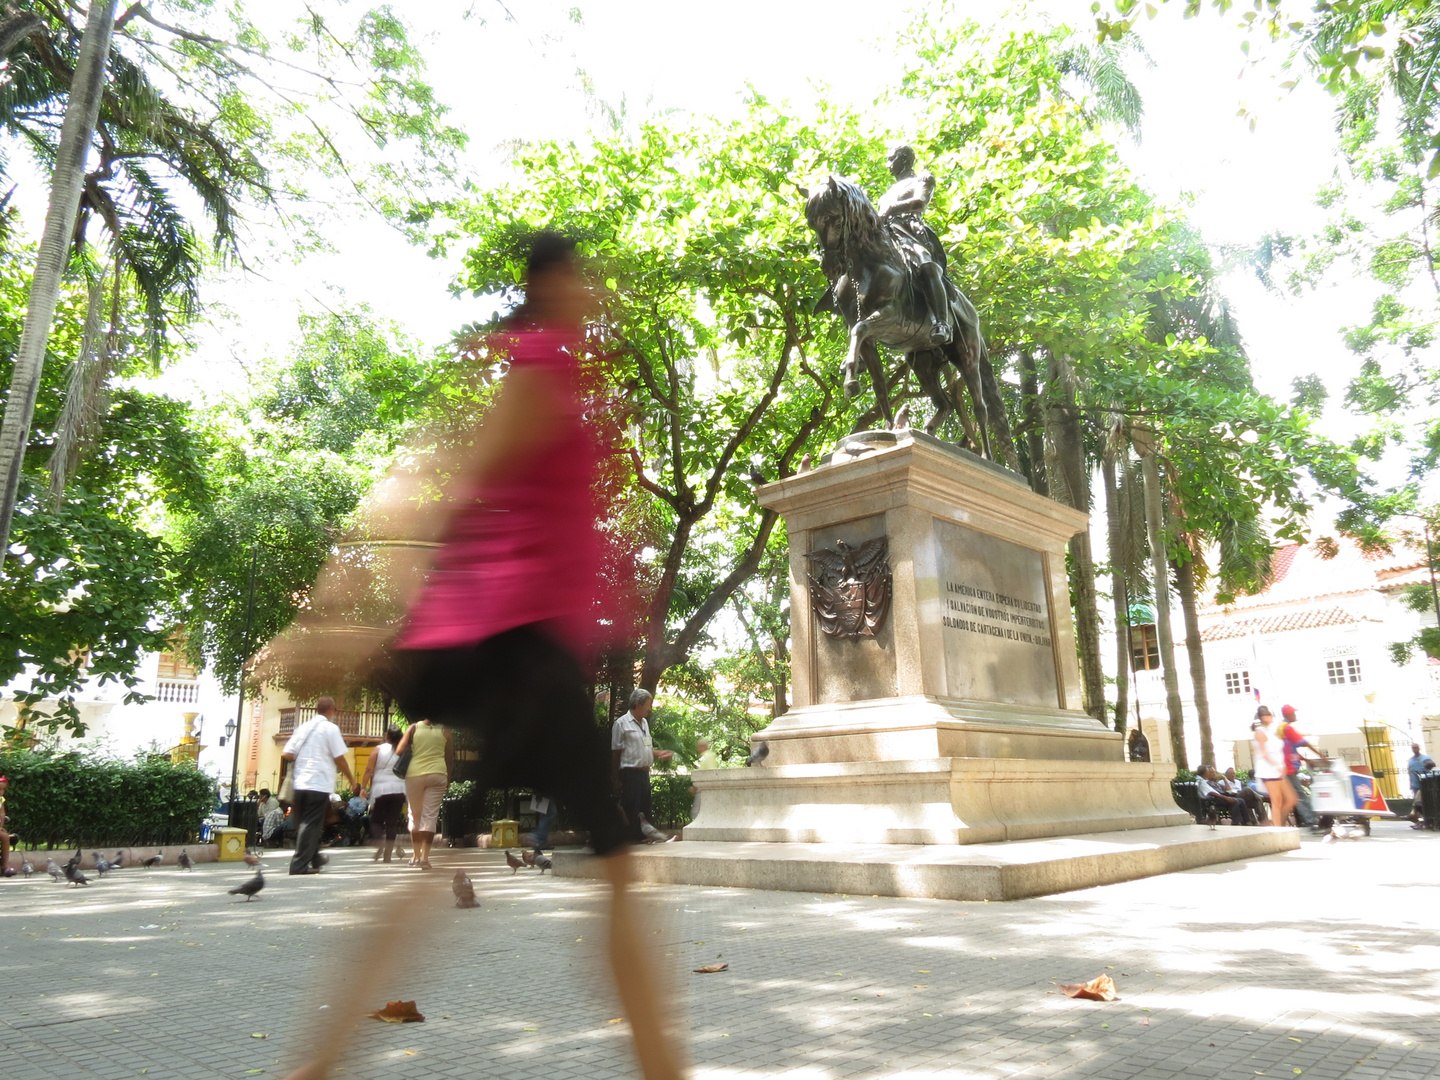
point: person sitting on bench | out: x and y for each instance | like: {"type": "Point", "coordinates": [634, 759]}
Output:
{"type": "Point", "coordinates": [1211, 797]}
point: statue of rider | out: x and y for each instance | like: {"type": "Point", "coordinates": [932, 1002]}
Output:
{"type": "Point", "coordinates": [902, 208]}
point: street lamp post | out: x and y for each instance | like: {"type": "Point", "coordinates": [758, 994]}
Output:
{"type": "Point", "coordinates": [240, 704]}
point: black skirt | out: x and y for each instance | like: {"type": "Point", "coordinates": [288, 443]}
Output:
{"type": "Point", "coordinates": [522, 697]}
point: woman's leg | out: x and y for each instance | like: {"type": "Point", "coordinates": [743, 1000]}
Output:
{"type": "Point", "coordinates": [415, 796]}
{"type": "Point", "coordinates": [1280, 801]}
{"type": "Point", "coordinates": [635, 974]}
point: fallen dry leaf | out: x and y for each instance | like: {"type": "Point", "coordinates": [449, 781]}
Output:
{"type": "Point", "coordinates": [710, 969]}
{"type": "Point", "coordinates": [1100, 988]}
{"type": "Point", "coordinates": [617, 1020]}
{"type": "Point", "coordinates": [398, 1012]}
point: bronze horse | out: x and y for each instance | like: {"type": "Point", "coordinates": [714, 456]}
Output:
{"type": "Point", "coordinates": [872, 288]}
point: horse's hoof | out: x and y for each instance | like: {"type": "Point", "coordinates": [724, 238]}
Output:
{"type": "Point", "coordinates": [852, 388]}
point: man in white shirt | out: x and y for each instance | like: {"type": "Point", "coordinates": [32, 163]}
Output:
{"type": "Point", "coordinates": [631, 754]}
{"type": "Point", "coordinates": [315, 751]}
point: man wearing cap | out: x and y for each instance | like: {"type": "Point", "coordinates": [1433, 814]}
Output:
{"type": "Point", "coordinates": [1293, 741]}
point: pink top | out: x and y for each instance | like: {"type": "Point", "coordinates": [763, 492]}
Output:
{"type": "Point", "coordinates": [524, 549]}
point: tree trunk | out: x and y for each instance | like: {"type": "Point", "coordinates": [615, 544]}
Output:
{"type": "Point", "coordinates": [1119, 587]}
{"type": "Point", "coordinates": [1185, 582]}
{"type": "Point", "coordinates": [1069, 482]}
{"type": "Point", "coordinates": [81, 113]}
{"type": "Point", "coordinates": [781, 704]}
{"type": "Point", "coordinates": [1034, 424]}
{"type": "Point", "coordinates": [1154, 531]}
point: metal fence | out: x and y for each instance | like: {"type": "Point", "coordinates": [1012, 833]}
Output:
{"type": "Point", "coordinates": [364, 724]}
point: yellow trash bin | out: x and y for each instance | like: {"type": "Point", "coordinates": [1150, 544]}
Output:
{"type": "Point", "coordinates": [504, 834]}
{"type": "Point", "coordinates": [232, 844]}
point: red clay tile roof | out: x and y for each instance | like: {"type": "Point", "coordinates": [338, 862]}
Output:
{"type": "Point", "coordinates": [1274, 624]}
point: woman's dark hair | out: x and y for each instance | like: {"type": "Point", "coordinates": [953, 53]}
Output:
{"type": "Point", "coordinates": [392, 735]}
{"type": "Point", "coordinates": [547, 249]}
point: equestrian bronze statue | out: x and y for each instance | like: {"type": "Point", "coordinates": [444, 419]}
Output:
{"type": "Point", "coordinates": [887, 277]}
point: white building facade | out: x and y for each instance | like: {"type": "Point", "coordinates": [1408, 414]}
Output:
{"type": "Point", "coordinates": [1318, 639]}
{"type": "Point", "coordinates": [177, 693]}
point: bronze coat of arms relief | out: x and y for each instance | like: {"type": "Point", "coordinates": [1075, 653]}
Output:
{"type": "Point", "coordinates": [850, 587]}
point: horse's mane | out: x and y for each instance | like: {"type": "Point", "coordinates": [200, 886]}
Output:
{"type": "Point", "coordinates": [862, 224]}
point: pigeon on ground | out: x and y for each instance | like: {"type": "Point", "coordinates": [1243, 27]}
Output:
{"type": "Point", "coordinates": [529, 857]}
{"type": "Point", "coordinates": [512, 862]}
{"type": "Point", "coordinates": [118, 863]}
{"type": "Point", "coordinates": [184, 861]}
{"type": "Point", "coordinates": [153, 860]}
{"type": "Point", "coordinates": [251, 888]}
{"type": "Point", "coordinates": [101, 866]}
{"type": "Point", "coordinates": [74, 876]}
{"type": "Point", "coordinates": [543, 862]}
{"type": "Point", "coordinates": [53, 869]}
{"type": "Point", "coordinates": [464, 890]}
{"type": "Point", "coordinates": [251, 859]}
{"type": "Point", "coordinates": [74, 862]}
{"type": "Point", "coordinates": [25, 868]}
{"type": "Point", "coordinates": [758, 753]}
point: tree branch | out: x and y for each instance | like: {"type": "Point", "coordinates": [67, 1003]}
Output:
{"type": "Point", "coordinates": [650, 485]}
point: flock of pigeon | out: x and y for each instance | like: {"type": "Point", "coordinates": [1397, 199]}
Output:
{"type": "Point", "coordinates": [71, 873]}
{"type": "Point", "coordinates": [464, 888]}
{"type": "Point", "coordinates": [536, 858]}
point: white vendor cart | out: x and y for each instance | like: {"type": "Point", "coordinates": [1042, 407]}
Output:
{"type": "Point", "coordinates": [1347, 797]}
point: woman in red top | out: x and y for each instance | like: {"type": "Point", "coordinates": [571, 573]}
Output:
{"type": "Point", "coordinates": [494, 641]}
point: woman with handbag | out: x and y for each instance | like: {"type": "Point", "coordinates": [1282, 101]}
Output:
{"type": "Point", "coordinates": [427, 757]}
{"type": "Point", "coordinates": [387, 794]}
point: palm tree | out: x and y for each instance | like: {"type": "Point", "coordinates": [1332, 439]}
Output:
{"type": "Point", "coordinates": [1144, 441]}
{"type": "Point", "coordinates": [68, 177]}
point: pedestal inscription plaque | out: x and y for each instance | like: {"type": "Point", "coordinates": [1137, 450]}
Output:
{"type": "Point", "coordinates": [999, 643]}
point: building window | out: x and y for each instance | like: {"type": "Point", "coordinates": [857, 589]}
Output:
{"type": "Point", "coordinates": [1144, 647]}
{"type": "Point", "coordinates": [1340, 672]}
{"type": "Point", "coordinates": [173, 666]}
{"type": "Point", "coordinates": [1237, 682]}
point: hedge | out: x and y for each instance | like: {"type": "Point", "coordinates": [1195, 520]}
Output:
{"type": "Point", "coordinates": [74, 799]}
{"type": "Point", "coordinates": [670, 799]}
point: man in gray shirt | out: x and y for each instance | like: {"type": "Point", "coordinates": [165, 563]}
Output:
{"type": "Point", "coordinates": [631, 754]}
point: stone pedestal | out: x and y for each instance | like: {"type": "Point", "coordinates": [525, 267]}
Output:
{"type": "Point", "coordinates": [956, 719]}
{"type": "Point", "coordinates": [939, 750]}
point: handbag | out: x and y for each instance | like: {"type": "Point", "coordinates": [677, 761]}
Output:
{"type": "Point", "coordinates": [287, 786]}
{"type": "Point", "coordinates": [402, 766]}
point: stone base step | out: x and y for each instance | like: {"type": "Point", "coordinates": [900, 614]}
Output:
{"type": "Point", "coordinates": [1005, 871]}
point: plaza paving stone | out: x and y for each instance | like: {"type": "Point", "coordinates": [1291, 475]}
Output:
{"type": "Point", "coordinates": [1320, 963]}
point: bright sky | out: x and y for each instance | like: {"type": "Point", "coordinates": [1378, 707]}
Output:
{"type": "Point", "coordinates": [519, 79]}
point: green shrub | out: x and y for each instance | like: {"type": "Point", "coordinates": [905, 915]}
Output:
{"type": "Point", "coordinates": [73, 799]}
{"type": "Point", "coordinates": [670, 799]}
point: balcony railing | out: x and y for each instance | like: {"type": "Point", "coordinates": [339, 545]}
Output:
{"type": "Point", "coordinates": [365, 724]}
{"type": "Point", "coordinates": [177, 692]}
